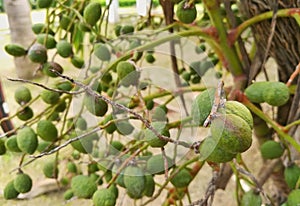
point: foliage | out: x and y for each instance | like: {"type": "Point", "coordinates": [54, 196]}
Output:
{"type": "Point", "coordinates": [110, 110]}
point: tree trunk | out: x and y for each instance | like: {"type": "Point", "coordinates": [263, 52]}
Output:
{"type": "Point", "coordinates": [285, 49]}
{"type": "Point", "coordinates": [19, 19]}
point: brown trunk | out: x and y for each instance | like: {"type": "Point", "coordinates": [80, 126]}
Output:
{"type": "Point", "coordinates": [18, 13]}
{"type": "Point", "coordinates": [285, 49]}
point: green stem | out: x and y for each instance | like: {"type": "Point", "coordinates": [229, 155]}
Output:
{"type": "Point", "coordinates": [194, 32]}
{"type": "Point", "coordinates": [231, 59]}
{"type": "Point", "coordinates": [279, 130]}
{"type": "Point", "coordinates": [264, 16]}
{"type": "Point", "coordinates": [289, 126]}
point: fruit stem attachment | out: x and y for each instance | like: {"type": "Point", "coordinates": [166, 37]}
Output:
{"type": "Point", "coordinates": [279, 129]}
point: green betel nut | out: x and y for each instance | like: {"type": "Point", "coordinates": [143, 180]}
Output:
{"type": "Point", "coordinates": [182, 178]}
{"type": "Point", "coordinates": [9, 191]}
{"type": "Point", "coordinates": [64, 48]}
{"type": "Point", "coordinates": [38, 53]}
{"type": "Point", "coordinates": [134, 181]}
{"type": "Point", "coordinates": [92, 13]}
{"type": "Point", "coordinates": [102, 52]}
{"type": "Point", "coordinates": [271, 150]}
{"type": "Point", "coordinates": [23, 183]}
{"type": "Point", "coordinates": [15, 50]}
{"type": "Point", "coordinates": [232, 132]}
{"type": "Point", "coordinates": [237, 108]}
{"type": "Point", "coordinates": [104, 197]}
{"type": "Point", "coordinates": [211, 151]}
{"type": "Point", "coordinates": [291, 175]}
{"type": "Point", "coordinates": [83, 186]}
{"type": "Point", "coordinates": [47, 130]}
{"type": "Point", "coordinates": [202, 106]}
{"type": "Point", "coordinates": [186, 13]}
{"type": "Point", "coordinates": [254, 92]}
{"type": "Point", "coordinates": [276, 94]}
{"type": "Point", "coordinates": [27, 140]}
{"type": "Point", "coordinates": [22, 95]}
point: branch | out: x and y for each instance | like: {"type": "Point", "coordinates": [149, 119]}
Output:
{"type": "Point", "coordinates": [43, 86]}
{"type": "Point", "coordinates": [146, 122]}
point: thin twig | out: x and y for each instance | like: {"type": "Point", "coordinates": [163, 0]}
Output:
{"type": "Point", "coordinates": [56, 149]}
{"type": "Point", "coordinates": [293, 76]}
{"type": "Point", "coordinates": [209, 194]}
{"type": "Point", "coordinates": [146, 122]}
{"type": "Point", "coordinates": [218, 102]}
{"type": "Point", "coordinates": [43, 86]}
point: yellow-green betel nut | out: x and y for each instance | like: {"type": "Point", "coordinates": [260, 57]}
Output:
{"type": "Point", "coordinates": [276, 94]}
{"type": "Point", "coordinates": [77, 62]}
{"type": "Point", "coordinates": [104, 197]}
{"type": "Point", "coordinates": [83, 186]}
{"type": "Point", "coordinates": [202, 106]}
{"type": "Point", "coordinates": [120, 179]}
{"type": "Point", "coordinates": [254, 92]}
{"type": "Point", "coordinates": [68, 194]}
{"type": "Point", "coordinates": [64, 48]}
{"type": "Point", "coordinates": [182, 178]}
{"type": "Point", "coordinates": [46, 130]}
{"type": "Point", "coordinates": [250, 198]}
{"type": "Point", "coordinates": [50, 97]}
{"type": "Point", "coordinates": [291, 175]}
{"type": "Point", "coordinates": [64, 86]}
{"type": "Point", "coordinates": [92, 13]}
{"type": "Point", "coordinates": [27, 140]}
{"type": "Point", "coordinates": [50, 169]}
{"type": "Point", "coordinates": [150, 185]}
{"type": "Point", "coordinates": [9, 191]}
{"type": "Point", "coordinates": [186, 13]}
{"type": "Point", "coordinates": [15, 50]}
{"type": "Point", "coordinates": [38, 53]}
{"type": "Point", "coordinates": [271, 149]}
{"type": "Point", "coordinates": [134, 181]}
{"type": "Point", "coordinates": [23, 183]}
{"type": "Point", "coordinates": [211, 151]}
{"type": "Point", "coordinates": [97, 107]}
{"type": "Point", "coordinates": [102, 52]}
{"type": "Point", "coordinates": [233, 133]}
{"type": "Point", "coordinates": [127, 73]}
{"type": "Point", "coordinates": [84, 145]}
{"type": "Point", "coordinates": [124, 127]}
{"type": "Point", "coordinates": [11, 144]}
{"type": "Point", "coordinates": [293, 198]}
{"type": "Point", "coordinates": [127, 29]}
{"type": "Point", "coordinates": [49, 66]}
{"type": "Point", "coordinates": [43, 146]}
{"type": "Point", "coordinates": [155, 164]}
{"type": "Point", "coordinates": [25, 114]}
{"type": "Point", "coordinates": [42, 4]}
{"type": "Point", "coordinates": [152, 139]}
{"type": "Point", "coordinates": [237, 108]}
{"type": "Point", "coordinates": [22, 95]}
{"type": "Point", "coordinates": [47, 40]}
{"type": "Point", "coordinates": [2, 147]}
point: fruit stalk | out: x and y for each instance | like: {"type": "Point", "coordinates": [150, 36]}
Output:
{"type": "Point", "coordinates": [231, 60]}
{"type": "Point", "coordinates": [279, 129]}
